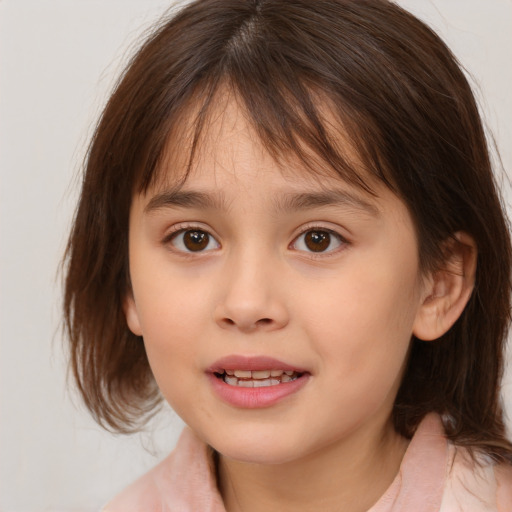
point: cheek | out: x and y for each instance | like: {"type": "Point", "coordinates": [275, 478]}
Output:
{"type": "Point", "coordinates": [362, 322]}
{"type": "Point", "coordinates": [171, 317]}
{"type": "Point", "coordinates": [168, 332]}
{"type": "Point", "coordinates": [171, 299]}
{"type": "Point", "coordinates": [173, 312]}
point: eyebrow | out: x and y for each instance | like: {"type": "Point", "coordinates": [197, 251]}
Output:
{"type": "Point", "coordinates": [287, 203]}
{"type": "Point", "coordinates": [310, 200]}
{"type": "Point", "coordinates": [186, 199]}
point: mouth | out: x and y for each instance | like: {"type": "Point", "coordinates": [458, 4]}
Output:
{"type": "Point", "coordinates": [256, 378]}
{"type": "Point", "coordinates": [255, 382]}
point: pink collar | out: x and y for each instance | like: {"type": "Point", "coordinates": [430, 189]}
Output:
{"type": "Point", "coordinates": [186, 480]}
{"type": "Point", "coordinates": [420, 481]}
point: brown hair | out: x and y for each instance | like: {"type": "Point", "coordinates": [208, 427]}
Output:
{"type": "Point", "coordinates": [403, 103]}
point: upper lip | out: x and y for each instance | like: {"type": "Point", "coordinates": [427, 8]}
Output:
{"type": "Point", "coordinates": [253, 363]}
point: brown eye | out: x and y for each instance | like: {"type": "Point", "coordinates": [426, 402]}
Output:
{"type": "Point", "coordinates": [193, 240]}
{"type": "Point", "coordinates": [318, 240]}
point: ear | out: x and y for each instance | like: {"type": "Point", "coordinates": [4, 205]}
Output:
{"type": "Point", "coordinates": [448, 289]}
{"type": "Point", "coordinates": [131, 314]}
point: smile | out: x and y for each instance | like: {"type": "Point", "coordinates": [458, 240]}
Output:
{"type": "Point", "coordinates": [256, 378]}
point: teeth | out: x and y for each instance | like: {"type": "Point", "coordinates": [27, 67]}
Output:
{"type": "Point", "coordinates": [258, 378]}
{"type": "Point", "coordinates": [262, 383]}
{"type": "Point", "coordinates": [243, 374]}
{"type": "Point", "coordinates": [260, 374]}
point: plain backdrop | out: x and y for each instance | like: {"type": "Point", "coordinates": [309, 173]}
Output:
{"type": "Point", "coordinates": [58, 60]}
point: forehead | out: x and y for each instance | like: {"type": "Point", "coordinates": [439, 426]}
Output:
{"type": "Point", "coordinates": [232, 164]}
{"type": "Point", "coordinates": [229, 144]}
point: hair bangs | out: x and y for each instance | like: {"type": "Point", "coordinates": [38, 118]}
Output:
{"type": "Point", "coordinates": [294, 118]}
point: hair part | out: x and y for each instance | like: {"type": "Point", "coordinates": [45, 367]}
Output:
{"type": "Point", "coordinates": [402, 103]}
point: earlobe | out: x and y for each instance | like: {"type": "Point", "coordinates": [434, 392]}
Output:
{"type": "Point", "coordinates": [131, 314]}
{"type": "Point", "coordinates": [447, 289]}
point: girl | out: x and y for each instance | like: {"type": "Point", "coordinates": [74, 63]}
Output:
{"type": "Point", "coordinates": [289, 229]}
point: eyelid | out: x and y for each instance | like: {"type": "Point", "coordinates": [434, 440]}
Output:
{"type": "Point", "coordinates": [344, 241]}
{"type": "Point", "coordinates": [182, 227]}
{"type": "Point", "coordinates": [187, 226]}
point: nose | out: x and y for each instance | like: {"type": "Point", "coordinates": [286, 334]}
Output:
{"type": "Point", "coordinates": [251, 298]}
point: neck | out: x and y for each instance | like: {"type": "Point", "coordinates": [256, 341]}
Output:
{"type": "Point", "coordinates": [350, 475]}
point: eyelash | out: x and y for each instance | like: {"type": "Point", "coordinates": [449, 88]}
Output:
{"type": "Point", "coordinates": [333, 237]}
{"type": "Point", "coordinates": [182, 230]}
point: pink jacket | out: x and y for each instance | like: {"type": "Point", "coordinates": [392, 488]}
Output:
{"type": "Point", "coordinates": [435, 476]}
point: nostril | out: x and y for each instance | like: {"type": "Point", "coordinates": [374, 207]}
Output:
{"type": "Point", "coordinates": [248, 318]}
{"type": "Point", "coordinates": [262, 322]}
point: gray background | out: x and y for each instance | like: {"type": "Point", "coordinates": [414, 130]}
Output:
{"type": "Point", "coordinates": [58, 60]}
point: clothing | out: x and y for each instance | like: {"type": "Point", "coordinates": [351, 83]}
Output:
{"type": "Point", "coordinates": [434, 476]}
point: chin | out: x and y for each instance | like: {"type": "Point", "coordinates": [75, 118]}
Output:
{"type": "Point", "coordinates": [256, 456]}
{"type": "Point", "coordinates": [256, 449]}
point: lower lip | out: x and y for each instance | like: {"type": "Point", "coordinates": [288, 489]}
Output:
{"type": "Point", "coordinates": [256, 398]}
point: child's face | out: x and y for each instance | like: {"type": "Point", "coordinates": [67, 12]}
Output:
{"type": "Point", "coordinates": [250, 260]}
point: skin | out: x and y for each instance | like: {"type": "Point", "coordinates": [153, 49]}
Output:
{"type": "Point", "coordinates": [346, 314]}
